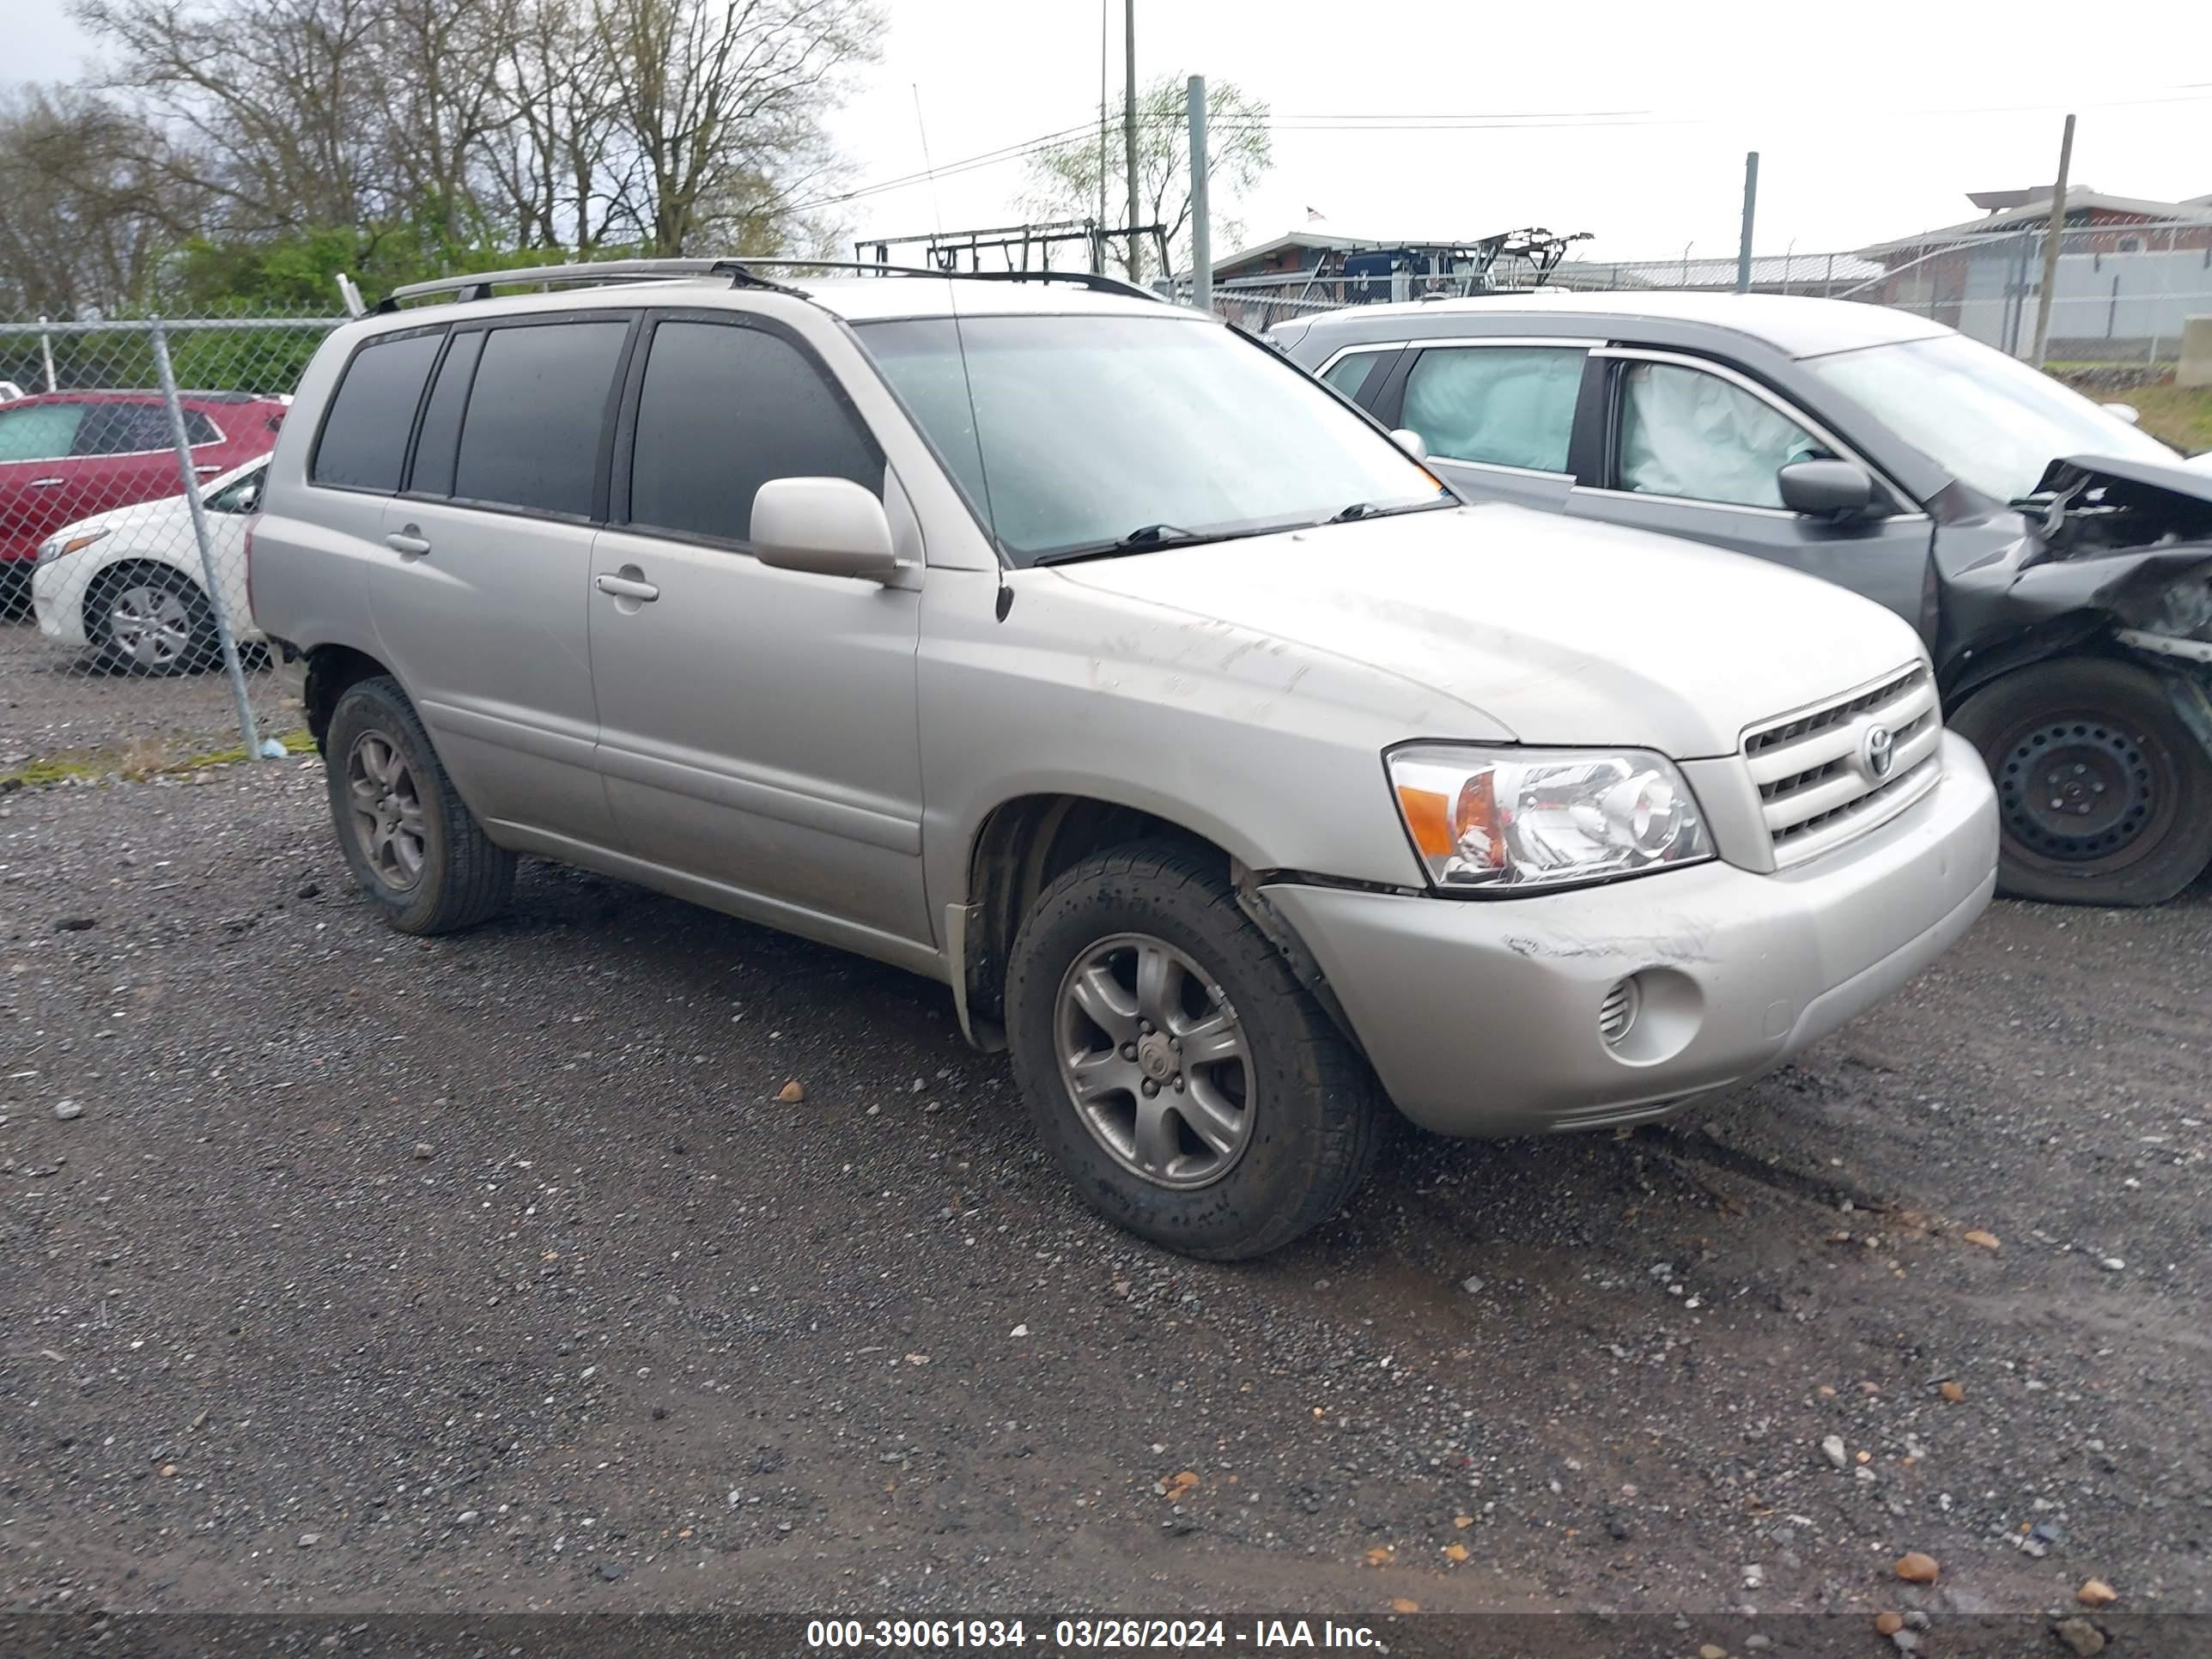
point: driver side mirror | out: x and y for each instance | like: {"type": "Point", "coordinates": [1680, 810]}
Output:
{"type": "Point", "coordinates": [1412, 442]}
{"type": "Point", "coordinates": [2127, 412]}
{"type": "Point", "coordinates": [826, 527]}
{"type": "Point", "coordinates": [1825, 489]}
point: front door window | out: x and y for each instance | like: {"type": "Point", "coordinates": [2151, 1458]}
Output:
{"type": "Point", "coordinates": [1695, 436]}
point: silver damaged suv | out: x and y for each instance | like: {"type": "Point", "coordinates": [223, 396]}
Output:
{"type": "Point", "coordinates": [1072, 650]}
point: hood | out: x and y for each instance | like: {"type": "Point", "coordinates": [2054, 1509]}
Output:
{"type": "Point", "coordinates": [1560, 631]}
{"type": "Point", "coordinates": [156, 512]}
{"type": "Point", "coordinates": [159, 512]}
{"type": "Point", "coordinates": [2100, 504]}
{"type": "Point", "coordinates": [2105, 543]}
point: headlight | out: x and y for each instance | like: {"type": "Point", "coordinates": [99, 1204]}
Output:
{"type": "Point", "coordinates": [62, 546]}
{"type": "Point", "coordinates": [1508, 819]}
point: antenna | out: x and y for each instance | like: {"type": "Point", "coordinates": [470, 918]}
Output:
{"type": "Point", "coordinates": [1005, 600]}
{"type": "Point", "coordinates": [928, 166]}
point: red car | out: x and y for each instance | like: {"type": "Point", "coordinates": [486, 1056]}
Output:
{"type": "Point", "coordinates": [67, 455]}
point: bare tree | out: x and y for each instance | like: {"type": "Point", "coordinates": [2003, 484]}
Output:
{"type": "Point", "coordinates": [560, 174]}
{"type": "Point", "coordinates": [721, 104]}
{"type": "Point", "coordinates": [275, 111]}
{"type": "Point", "coordinates": [1064, 180]}
{"type": "Point", "coordinates": [441, 101]}
{"type": "Point", "coordinates": [88, 213]}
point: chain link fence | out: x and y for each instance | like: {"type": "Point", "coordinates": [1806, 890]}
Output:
{"type": "Point", "coordinates": [132, 454]}
{"type": "Point", "coordinates": [2123, 293]}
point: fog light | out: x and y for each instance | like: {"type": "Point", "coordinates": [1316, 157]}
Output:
{"type": "Point", "coordinates": [1616, 1015]}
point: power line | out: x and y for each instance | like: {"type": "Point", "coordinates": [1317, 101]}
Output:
{"type": "Point", "coordinates": [2190, 92]}
{"type": "Point", "coordinates": [1019, 151]}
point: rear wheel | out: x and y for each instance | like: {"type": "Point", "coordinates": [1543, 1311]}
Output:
{"type": "Point", "coordinates": [150, 619]}
{"type": "Point", "coordinates": [412, 844]}
{"type": "Point", "coordinates": [1181, 1076]}
{"type": "Point", "coordinates": [2103, 795]}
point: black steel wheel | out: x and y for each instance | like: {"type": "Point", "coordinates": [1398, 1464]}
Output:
{"type": "Point", "coordinates": [2103, 795]}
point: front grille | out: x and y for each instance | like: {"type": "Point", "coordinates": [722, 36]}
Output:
{"type": "Point", "coordinates": [1817, 786]}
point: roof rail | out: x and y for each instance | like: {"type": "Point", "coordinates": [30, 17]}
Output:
{"type": "Point", "coordinates": [478, 285]}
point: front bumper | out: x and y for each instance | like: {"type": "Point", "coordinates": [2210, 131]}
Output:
{"type": "Point", "coordinates": [1481, 1016]}
{"type": "Point", "coordinates": [57, 601]}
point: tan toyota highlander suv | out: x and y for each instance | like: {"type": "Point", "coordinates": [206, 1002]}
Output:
{"type": "Point", "coordinates": [1070, 649]}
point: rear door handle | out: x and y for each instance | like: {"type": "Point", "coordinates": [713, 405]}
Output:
{"type": "Point", "coordinates": [623, 587]}
{"type": "Point", "coordinates": [408, 541]}
{"type": "Point", "coordinates": [45, 483]}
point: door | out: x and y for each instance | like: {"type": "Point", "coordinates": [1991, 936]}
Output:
{"type": "Point", "coordinates": [757, 727]}
{"type": "Point", "coordinates": [1498, 415]}
{"type": "Point", "coordinates": [37, 441]}
{"type": "Point", "coordinates": [126, 453]}
{"type": "Point", "coordinates": [479, 592]}
{"type": "Point", "coordinates": [1693, 448]}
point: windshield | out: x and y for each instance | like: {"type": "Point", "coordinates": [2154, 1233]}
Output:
{"type": "Point", "coordinates": [1106, 434]}
{"type": "Point", "coordinates": [1981, 415]}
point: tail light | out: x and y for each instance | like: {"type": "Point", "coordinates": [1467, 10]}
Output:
{"type": "Point", "coordinates": [252, 523]}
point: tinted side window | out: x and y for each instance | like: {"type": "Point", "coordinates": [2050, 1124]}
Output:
{"type": "Point", "coordinates": [364, 436]}
{"type": "Point", "coordinates": [123, 430]}
{"type": "Point", "coordinates": [441, 417]}
{"type": "Point", "coordinates": [536, 416]}
{"type": "Point", "coordinates": [1688, 434]}
{"type": "Point", "coordinates": [1350, 374]}
{"type": "Point", "coordinates": [1502, 406]}
{"type": "Point", "coordinates": [200, 429]}
{"type": "Point", "coordinates": [723, 409]}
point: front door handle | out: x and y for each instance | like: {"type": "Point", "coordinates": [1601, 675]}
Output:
{"type": "Point", "coordinates": [207, 466]}
{"type": "Point", "coordinates": [408, 541]}
{"type": "Point", "coordinates": [627, 587]}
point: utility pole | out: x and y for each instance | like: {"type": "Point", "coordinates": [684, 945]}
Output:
{"type": "Point", "coordinates": [2051, 238]}
{"type": "Point", "coordinates": [1129, 131]}
{"type": "Point", "coordinates": [1750, 212]}
{"type": "Point", "coordinates": [1098, 229]}
{"type": "Point", "coordinates": [1201, 238]}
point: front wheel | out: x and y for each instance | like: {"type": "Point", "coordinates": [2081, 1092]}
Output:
{"type": "Point", "coordinates": [2103, 795]}
{"type": "Point", "coordinates": [1175, 1069]}
{"type": "Point", "coordinates": [150, 619]}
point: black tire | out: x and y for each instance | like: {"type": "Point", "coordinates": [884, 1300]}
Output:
{"type": "Point", "coordinates": [140, 648]}
{"type": "Point", "coordinates": [1314, 1113]}
{"type": "Point", "coordinates": [460, 877]}
{"type": "Point", "coordinates": [2102, 738]}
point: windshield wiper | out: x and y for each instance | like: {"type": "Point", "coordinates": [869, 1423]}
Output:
{"type": "Point", "coordinates": [1144, 536]}
{"type": "Point", "coordinates": [1368, 510]}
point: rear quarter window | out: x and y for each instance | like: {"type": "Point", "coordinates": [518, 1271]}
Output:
{"type": "Point", "coordinates": [364, 437]}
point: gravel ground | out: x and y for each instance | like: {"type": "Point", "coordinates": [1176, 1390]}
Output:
{"type": "Point", "coordinates": [59, 705]}
{"type": "Point", "coordinates": [359, 1273]}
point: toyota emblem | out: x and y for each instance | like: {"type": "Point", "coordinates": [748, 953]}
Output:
{"type": "Point", "coordinates": [1878, 750]}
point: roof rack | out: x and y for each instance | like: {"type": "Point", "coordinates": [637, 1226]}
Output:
{"type": "Point", "coordinates": [478, 285]}
{"type": "Point", "coordinates": [1097, 281]}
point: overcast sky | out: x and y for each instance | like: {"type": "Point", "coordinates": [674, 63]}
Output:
{"type": "Point", "coordinates": [1872, 118]}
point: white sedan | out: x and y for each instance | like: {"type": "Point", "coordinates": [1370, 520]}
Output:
{"type": "Point", "coordinates": [128, 582]}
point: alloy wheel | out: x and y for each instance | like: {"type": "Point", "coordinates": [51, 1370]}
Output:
{"type": "Point", "coordinates": [1155, 1062]}
{"type": "Point", "coordinates": [386, 808]}
{"type": "Point", "coordinates": [151, 626]}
